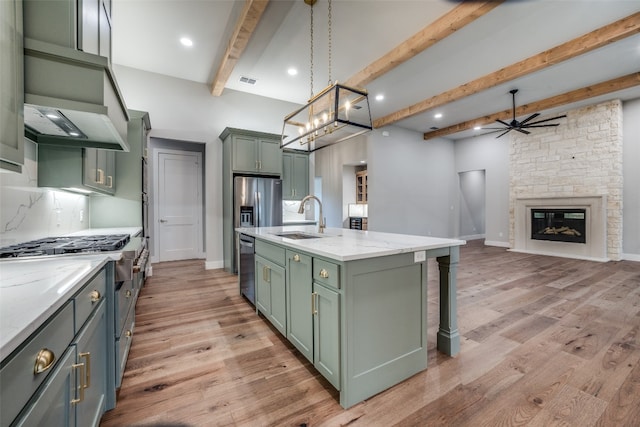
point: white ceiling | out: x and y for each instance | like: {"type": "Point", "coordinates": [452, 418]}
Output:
{"type": "Point", "coordinates": [146, 36]}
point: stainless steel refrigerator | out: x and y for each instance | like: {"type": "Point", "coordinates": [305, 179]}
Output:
{"type": "Point", "coordinates": [257, 202]}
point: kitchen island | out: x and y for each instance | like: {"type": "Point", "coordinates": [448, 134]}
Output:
{"type": "Point", "coordinates": [355, 302]}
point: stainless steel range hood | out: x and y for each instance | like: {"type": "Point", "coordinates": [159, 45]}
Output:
{"type": "Point", "coordinates": [72, 99]}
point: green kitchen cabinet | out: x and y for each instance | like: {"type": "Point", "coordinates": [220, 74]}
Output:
{"type": "Point", "coordinates": [271, 293]}
{"type": "Point", "coordinates": [99, 170]}
{"type": "Point", "coordinates": [76, 169]}
{"type": "Point", "coordinates": [326, 333]}
{"type": "Point", "coordinates": [253, 152]}
{"type": "Point", "coordinates": [313, 312]}
{"type": "Point", "coordinates": [295, 175]}
{"type": "Point", "coordinates": [68, 386]}
{"type": "Point", "coordinates": [78, 24]}
{"type": "Point", "coordinates": [11, 86]}
{"type": "Point", "coordinates": [299, 302]}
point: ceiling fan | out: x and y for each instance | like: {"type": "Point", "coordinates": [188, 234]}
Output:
{"type": "Point", "coordinates": [525, 124]}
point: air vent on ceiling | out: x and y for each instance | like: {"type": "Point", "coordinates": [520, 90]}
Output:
{"type": "Point", "coordinates": [248, 80]}
{"type": "Point", "coordinates": [434, 128]}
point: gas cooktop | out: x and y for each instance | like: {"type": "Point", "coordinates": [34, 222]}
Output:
{"type": "Point", "coordinates": [66, 245]}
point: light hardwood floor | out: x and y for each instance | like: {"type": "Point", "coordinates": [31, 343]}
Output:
{"type": "Point", "coordinates": [545, 341]}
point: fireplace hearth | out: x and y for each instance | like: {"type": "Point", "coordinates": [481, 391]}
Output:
{"type": "Point", "coordinates": [559, 225]}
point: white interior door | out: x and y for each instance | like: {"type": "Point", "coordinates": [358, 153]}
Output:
{"type": "Point", "coordinates": [179, 208]}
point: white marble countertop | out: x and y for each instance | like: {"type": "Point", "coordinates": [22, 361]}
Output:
{"type": "Point", "coordinates": [32, 289]}
{"type": "Point", "coordinates": [343, 244]}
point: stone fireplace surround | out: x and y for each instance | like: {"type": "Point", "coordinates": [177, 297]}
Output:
{"type": "Point", "coordinates": [575, 165]}
{"type": "Point", "coordinates": [595, 247]}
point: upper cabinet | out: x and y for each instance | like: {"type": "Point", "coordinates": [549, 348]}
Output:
{"type": "Point", "coordinates": [80, 170]}
{"type": "Point", "coordinates": [361, 186]}
{"type": "Point", "coordinates": [295, 175]}
{"type": "Point", "coordinates": [11, 86]}
{"type": "Point", "coordinates": [253, 152]}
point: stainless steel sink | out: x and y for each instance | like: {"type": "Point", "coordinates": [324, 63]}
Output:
{"type": "Point", "coordinates": [298, 235]}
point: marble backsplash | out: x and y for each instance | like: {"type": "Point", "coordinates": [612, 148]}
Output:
{"type": "Point", "coordinates": [28, 212]}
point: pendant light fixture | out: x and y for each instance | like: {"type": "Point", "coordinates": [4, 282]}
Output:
{"type": "Point", "coordinates": [335, 114]}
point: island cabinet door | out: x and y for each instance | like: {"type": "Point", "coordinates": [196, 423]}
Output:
{"type": "Point", "coordinates": [299, 304]}
{"type": "Point", "coordinates": [271, 292]}
{"type": "Point", "coordinates": [326, 324]}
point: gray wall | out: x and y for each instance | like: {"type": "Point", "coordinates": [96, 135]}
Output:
{"type": "Point", "coordinates": [631, 179]}
{"type": "Point", "coordinates": [490, 154]}
{"type": "Point", "coordinates": [412, 184]}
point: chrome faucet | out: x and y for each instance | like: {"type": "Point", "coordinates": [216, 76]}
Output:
{"type": "Point", "coordinates": [321, 221]}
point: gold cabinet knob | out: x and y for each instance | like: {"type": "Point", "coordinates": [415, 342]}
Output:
{"type": "Point", "coordinates": [95, 295]}
{"type": "Point", "coordinates": [44, 360]}
{"type": "Point", "coordinates": [324, 274]}
{"type": "Point", "coordinates": [128, 333]}
{"type": "Point", "coordinates": [128, 293]}
{"type": "Point", "coordinates": [296, 258]}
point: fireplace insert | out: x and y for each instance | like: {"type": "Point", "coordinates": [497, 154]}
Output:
{"type": "Point", "coordinates": [559, 225]}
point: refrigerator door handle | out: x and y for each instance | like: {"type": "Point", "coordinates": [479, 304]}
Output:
{"type": "Point", "coordinates": [257, 197]}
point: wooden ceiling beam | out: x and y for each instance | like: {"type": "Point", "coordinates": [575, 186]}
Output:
{"type": "Point", "coordinates": [447, 24]}
{"type": "Point", "coordinates": [577, 95]}
{"type": "Point", "coordinates": [246, 25]}
{"type": "Point", "coordinates": [613, 32]}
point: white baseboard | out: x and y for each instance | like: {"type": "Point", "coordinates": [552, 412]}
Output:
{"type": "Point", "coordinates": [497, 243]}
{"type": "Point", "coordinates": [472, 237]}
{"type": "Point", "coordinates": [212, 265]}
{"type": "Point", "coordinates": [631, 257]}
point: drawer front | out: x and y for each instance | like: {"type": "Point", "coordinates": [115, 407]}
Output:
{"type": "Point", "coordinates": [124, 299]}
{"type": "Point", "coordinates": [326, 273]}
{"type": "Point", "coordinates": [123, 344]}
{"type": "Point", "coordinates": [89, 298]}
{"type": "Point", "coordinates": [271, 252]}
{"type": "Point", "coordinates": [18, 380]}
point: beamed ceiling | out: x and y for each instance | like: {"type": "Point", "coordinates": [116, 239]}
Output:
{"type": "Point", "coordinates": [456, 58]}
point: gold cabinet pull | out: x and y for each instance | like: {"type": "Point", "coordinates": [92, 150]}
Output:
{"type": "Point", "coordinates": [265, 274]}
{"type": "Point", "coordinates": [44, 360]}
{"type": "Point", "coordinates": [87, 376]}
{"type": "Point", "coordinates": [314, 303]}
{"type": "Point", "coordinates": [100, 177]}
{"type": "Point", "coordinates": [296, 258]}
{"type": "Point", "coordinates": [95, 295]}
{"type": "Point", "coordinates": [110, 181]}
{"type": "Point", "coordinates": [82, 376]}
{"type": "Point", "coordinates": [324, 274]}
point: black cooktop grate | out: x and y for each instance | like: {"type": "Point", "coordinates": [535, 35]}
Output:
{"type": "Point", "coordinates": [66, 245]}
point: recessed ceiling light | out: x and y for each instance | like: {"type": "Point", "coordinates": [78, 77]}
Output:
{"type": "Point", "coordinates": [363, 161]}
{"type": "Point", "coordinates": [379, 97]}
{"type": "Point", "coordinates": [292, 71]}
{"type": "Point", "coordinates": [186, 41]}
{"type": "Point", "coordinates": [438, 115]}
{"type": "Point", "coordinates": [477, 128]}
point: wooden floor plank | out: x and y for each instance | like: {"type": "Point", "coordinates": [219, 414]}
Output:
{"type": "Point", "coordinates": [544, 341]}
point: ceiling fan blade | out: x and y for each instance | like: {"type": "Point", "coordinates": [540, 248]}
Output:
{"type": "Point", "coordinates": [522, 131]}
{"type": "Point", "coordinates": [542, 126]}
{"type": "Point", "coordinates": [500, 128]}
{"type": "Point", "coordinates": [504, 123]}
{"type": "Point", "coordinates": [505, 132]}
{"type": "Point", "coordinates": [546, 120]}
{"type": "Point", "coordinates": [533, 116]}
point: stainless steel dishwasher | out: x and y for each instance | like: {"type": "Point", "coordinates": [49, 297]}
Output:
{"type": "Point", "coordinates": [247, 267]}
